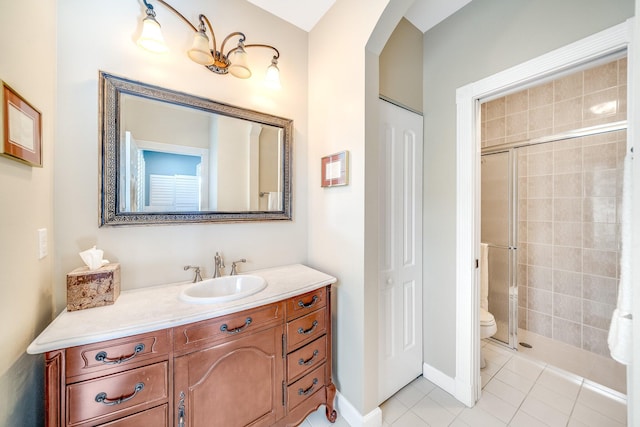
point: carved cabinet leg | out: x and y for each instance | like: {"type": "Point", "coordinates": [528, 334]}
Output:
{"type": "Point", "coordinates": [331, 394]}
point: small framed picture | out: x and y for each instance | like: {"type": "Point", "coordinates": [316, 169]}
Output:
{"type": "Point", "coordinates": [21, 127]}
{"type": "Point", "coordinates": [335, 169]}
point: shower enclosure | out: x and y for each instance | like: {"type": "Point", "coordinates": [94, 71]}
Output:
{"type": "Point", "coordinates": [550, 216]}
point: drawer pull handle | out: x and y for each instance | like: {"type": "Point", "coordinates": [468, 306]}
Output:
{"type": "Point", "coordinates": [225, 328]}
{"type": "Point", "coordinates": [102, 356]}
{"type": "Point", "coordinates": [313, 302]}
{"type": "Point", "coordinates": [102, 397]}
{"type": "Point", "coordinates": [308, 362]}
{"type": "Point", "coordinates": [310, 330]}
{"type": "Point", "coordinates": [308, 391]}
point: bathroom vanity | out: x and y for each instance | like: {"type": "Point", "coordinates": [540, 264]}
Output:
{"type": "Point", "coordinates": [151, 359]}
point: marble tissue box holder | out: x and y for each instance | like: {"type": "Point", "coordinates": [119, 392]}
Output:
{"type": "Point", "coordinates": [93, 288]}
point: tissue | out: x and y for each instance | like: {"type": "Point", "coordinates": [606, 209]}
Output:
{"type": "Point", "coordinates": [93, 258]}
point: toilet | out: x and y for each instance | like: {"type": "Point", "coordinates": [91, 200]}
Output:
{"type": "Point", "coordinates": [488, 326]}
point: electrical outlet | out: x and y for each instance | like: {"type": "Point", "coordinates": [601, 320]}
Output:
{"type": "Point", "coordinates": [42, 243]}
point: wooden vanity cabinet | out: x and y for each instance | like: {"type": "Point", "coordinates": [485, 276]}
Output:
{"type": "Point", "coordinates": [266, 366]}
{"type": "Point", "coordinates": [230, 374]}
{"type": "Point", "coordinates": [308, 357]}
{"type": "Point", "coordinates": [120, 382]}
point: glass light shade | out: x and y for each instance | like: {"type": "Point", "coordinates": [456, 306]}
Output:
{"type": "Point", "coordinates": [272, 78]}
{"type": "Point", "coordinates": [199, 51]}
{"type": "Point", "coordinates": [151, 37]}
{"type": "Point", "coordinates": [239, 66]}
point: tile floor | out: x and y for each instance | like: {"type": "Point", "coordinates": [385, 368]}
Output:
{"type": "Point", "coordinates": [516, 391]}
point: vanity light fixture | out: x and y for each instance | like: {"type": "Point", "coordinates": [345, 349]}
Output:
{"type": "Point", "coordinates": [234, 61]}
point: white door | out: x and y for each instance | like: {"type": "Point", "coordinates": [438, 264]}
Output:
{"type": "Point", "coordinates": [400, 248]}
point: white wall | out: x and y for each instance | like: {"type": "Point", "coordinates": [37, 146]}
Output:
{"type": "Point", "coordinates": [336, 215]}
{"type": "Point", "coordinates": [401, 66]}
{"type": "Point", "coordinates": [153, 255]}
{"type": "Point", "coordinates": [27, 64]}
{"type": "Point", "coordinates": [481, 39]}
{"type": "Point", "coordinates": [343, 93]}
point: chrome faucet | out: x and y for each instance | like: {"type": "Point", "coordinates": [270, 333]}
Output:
{"type": "Point", "coordinates": [218, 265]}
{"type": "Point", "coordinates": [196, 269]}
{"type": "Point", "coordinates": [234, 264]}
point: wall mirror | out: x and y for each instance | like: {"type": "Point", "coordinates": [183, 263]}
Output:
{"type": "Point", "coordinates": [171, 157]}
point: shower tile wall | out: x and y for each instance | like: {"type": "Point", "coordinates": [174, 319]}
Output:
{"type": "Point", "coordinates": [568, 238]}
{"type": "Point", "coordinates": [587, 98]}
{"type": "Point", "coordinates": [569, 195]}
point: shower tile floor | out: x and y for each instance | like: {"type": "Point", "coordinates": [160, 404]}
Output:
{"type": "Point", "coordinates": [517, 391]}
{"type": "Point", "coordinates": [591, 366]}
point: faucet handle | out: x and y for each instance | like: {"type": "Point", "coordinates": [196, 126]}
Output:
{"type": "Point", "coordinates": [234, 264]}
{"type": "Point", "coordinates": [197, 277]}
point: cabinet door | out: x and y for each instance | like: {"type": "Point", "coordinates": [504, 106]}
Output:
{"type": "Point", "coordinates": [233, 384]}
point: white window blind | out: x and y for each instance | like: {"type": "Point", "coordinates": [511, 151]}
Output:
{"type": "Point", "coordinates": [174, 193]}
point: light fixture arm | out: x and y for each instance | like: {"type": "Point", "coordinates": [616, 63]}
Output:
{"type": "Point", "coordinates": [275, 56]}
{"type": "Point", "coordinates": [172, 9]}
{"type": "Point", "coordinates": [235, 33]}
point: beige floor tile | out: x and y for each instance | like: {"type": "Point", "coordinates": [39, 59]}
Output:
{"type": "Point", "coordinates": [514, 380]}
{"type": "Point", "coordinates": [561, 382]}
{"type": "Point", "coordinates": [476, 417]}
{"type": "Point", "coordinates": [504, 391]}
{"type": "Point", "coordinates": [556, 400]}
{"type": "Point", "coordinates": [525, 368]}
{"type": "Point", "coordinates": [522, 419]}
{"type": "Point", "coordinates": [410, 395]}
{"type": "Point", "coordinates": [447, 401]}
{"type": "Point", "coordinates": [392, 409]}
{"type": "Point", "coordinates": [433, 413]}
{"type": "Point", "coordinates": [592, 418]}
{"type": "Point", "coordinates": [543, 412]}
{"type": "Point", "coordinates": [424, 385]}
{"type": "Point", "coordinates": [605, 403]}
{"type": "Point", "coordinates": [410, 419]}
{"type": "Point", "coordinates": [497, 407]}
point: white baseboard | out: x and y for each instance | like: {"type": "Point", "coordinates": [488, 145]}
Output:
{"type": "Point", "coordinates": [353, 416]}
{"type": "Point", "coordinates": [443, 381]}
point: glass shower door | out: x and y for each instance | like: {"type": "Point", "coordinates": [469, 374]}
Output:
{"type": "Point", "coordinates": [497, 231]}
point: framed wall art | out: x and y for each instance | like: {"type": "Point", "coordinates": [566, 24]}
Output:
{"type": "Point", "coordinates": [20, 127]}
{"type": "Point", "coordinates": [335, 169]}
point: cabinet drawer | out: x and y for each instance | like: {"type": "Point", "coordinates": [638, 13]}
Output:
{"type": "Point", "coordinates": [199, 335]}
{"type": "Point", "coordinates": [121, 353]}
{"type": "Point", "coordinates": [303, 304]}
{"type": "Point", "coordinates": [154, 417]}
{"type": "Point", "coordinates": [122, 393]}
{"type": "Point", "coordinates": [305, 387]}
{"type": "Point", "coordinates": [306, 358]}
{"type": "Point", "coordinates": [305, 329]}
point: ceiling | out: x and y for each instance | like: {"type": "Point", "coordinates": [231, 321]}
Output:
{"type": "Point", "coordinates": [423, 14]}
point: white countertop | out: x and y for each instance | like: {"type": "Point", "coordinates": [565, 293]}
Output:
{"type": "Point", "coordinates": [158, 307]}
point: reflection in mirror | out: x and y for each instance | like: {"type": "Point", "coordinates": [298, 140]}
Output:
{"type": "Point", "coordinates": [173, 157]}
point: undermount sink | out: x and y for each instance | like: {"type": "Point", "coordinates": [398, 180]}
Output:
{"type": "Point", "coordinates": [222, 289]}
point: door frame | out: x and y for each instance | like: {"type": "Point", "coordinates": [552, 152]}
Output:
{"type": "Point", "coordinates": [545, 67]}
